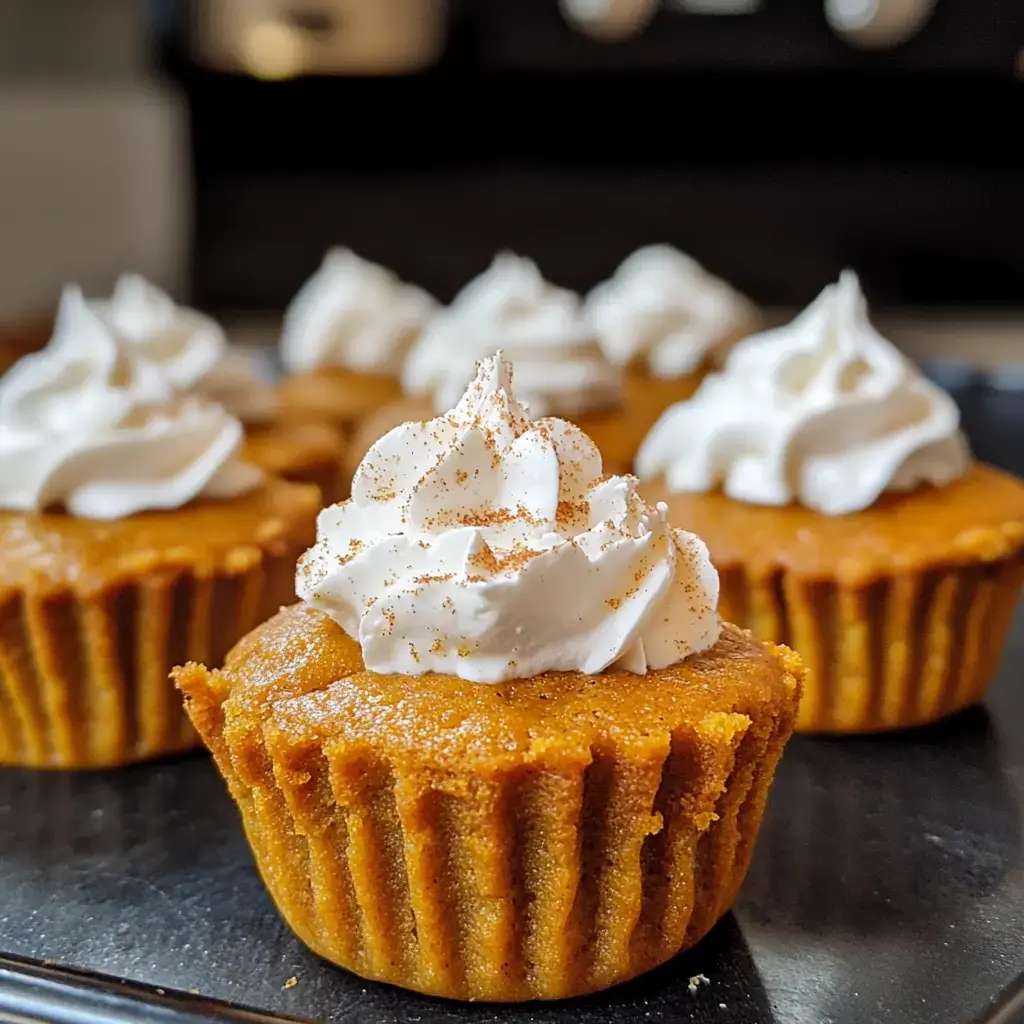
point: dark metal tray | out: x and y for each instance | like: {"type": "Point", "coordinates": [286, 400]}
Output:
{"type": "Point", "coordinates": [888, 886]}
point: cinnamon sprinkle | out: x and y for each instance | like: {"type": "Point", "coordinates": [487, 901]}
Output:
{"type": "Point", "coordinates": [484, 559]}
{"type": "Point", "coordinates": [354, 547]}
{"type": "Point", "coordinates": [568, 511]}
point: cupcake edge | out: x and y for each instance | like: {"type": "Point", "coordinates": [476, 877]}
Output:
{"type": "Point", "coordinates": [84, 676]}
{"type": "Point", "coordinates": [904, 651]}
{"type": "Point", "coordinates": [558, 878]}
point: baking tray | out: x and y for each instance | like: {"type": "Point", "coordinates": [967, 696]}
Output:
{"type": "Point", "coordinates": [887, 886]}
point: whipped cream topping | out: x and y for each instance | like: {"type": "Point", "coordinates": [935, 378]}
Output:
{"type": "Point", "coordinates": [824, 411]}
{"type": "Point", "coordinates": [662, 308]}
{"type": "Point", "coordinates": [85, 425]}
{"type": "Point", "coordinates": [237, 382]}
{"type": "Point", "coordinates": [353, 314]}
{"type": "Point", "coordinates": [560, 367]}
{"type": "Point", "coordinates": [488, 546]}
{"type": "Point", "coordinates": [188, 347]}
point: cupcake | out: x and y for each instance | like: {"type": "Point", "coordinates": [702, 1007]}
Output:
{"type": "Point", "coordinates": [191, 350]}
{"type": "Point", "coordinates": [837, 495]}
{"type": "Point", "coordinates": [667, 322]}
{"type": "Point", "coordinates": [504, 749]}
{"type": "Point", "coordinates": [346, 334]}
{"type": "Point", "coordinates": [131, 536]}
{"type": "Point", "coordinates": [561, 369]}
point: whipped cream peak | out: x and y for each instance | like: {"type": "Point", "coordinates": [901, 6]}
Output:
{"type": "Point", "coordinates": [189, 348]}
{"type": "Point", "coordinates": [823, 411]}
{"type": "Point", "coordinates": [665, 310]}
{"type": "Point", "coordinates": [183, 342]}
{"type": "Point", "coordinates": [490, 396]}
{"type": "Point", "coordinates": [50, 390]}
{"type": "Point", "coordinates": [353, 314]}
{"type": "Point", "coordinates": [86, 425]}
{"type": "Point", "coordinates": [237, 382]}
{"type": "Point", "coordinates": [489, 546]}
{"type": "Point", "coordinates": [561, 368]}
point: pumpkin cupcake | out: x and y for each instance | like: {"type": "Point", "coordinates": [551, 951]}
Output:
{"type": "Point", "coordinates": [561, 369]}
{"type": "Point", "coordinates": [131, 536]}
{"type": "Point", "coordinates": [191, 350]}
{"type": "Point", "coordinates": [346, 334]}
{"type": "Point", "coordinates": [839, 501]}
{"type": "Point", "coordinates": [667, 322]}
{"type": "Point", "coordinates": [505, 749]}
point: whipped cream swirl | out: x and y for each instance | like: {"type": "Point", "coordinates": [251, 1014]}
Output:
{"type": "Point", "coordinates": [488, 546]}
{"type": "Point", "coordinates": [355, 315]}
{"type": "Point", "coordinates": [188, 347]}
{"type": "Point", "coordinates": [86, 426]}
{"type": "Point", "coordinates": [560, 367]}
{"type": "Point", "coordinates": [663, 309]}
{"type": "Point", "coordinates": [824, 411]}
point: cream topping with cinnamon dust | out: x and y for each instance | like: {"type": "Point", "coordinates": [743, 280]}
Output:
{"type": "Point", "coordinates": [488, 546]}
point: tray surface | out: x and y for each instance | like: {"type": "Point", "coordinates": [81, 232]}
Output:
{"type": "Point", "coordinates": [887, 884]}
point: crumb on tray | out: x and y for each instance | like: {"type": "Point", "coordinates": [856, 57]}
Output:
{"type": "Point", "coordinates": [696, 981]}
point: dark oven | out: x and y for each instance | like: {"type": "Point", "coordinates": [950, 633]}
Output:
{"type": "Point", "coordinates": [776, 140]}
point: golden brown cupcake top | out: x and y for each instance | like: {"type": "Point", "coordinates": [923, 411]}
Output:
{"type": "Point", "coordinates": [44, 551]}
{"type": "Point", "coordinates": [334, 395]}
{"type": "Point", "coordinates": [979, 517]}
{"type": "Point", "coordinates": [291, 446]}
{"type": "Point", "coordinates": [299, 678]}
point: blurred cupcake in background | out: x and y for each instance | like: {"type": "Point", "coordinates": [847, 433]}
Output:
{"type": "Point", "coordinates": [667, 322]}
{"type": "Point", "coordinates": [133, 536]}
{"type": "Point", "coordinates": [192, 352]}
{"type": "Point", "coordinates": [345, 337]}
{"type": "Point", "coordinates": [561, 369]}
{"type": "Point", "coordinates": [838, 497]}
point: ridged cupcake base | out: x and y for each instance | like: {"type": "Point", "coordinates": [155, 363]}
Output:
{"type": "Point", "coordinates": [84, 678]}
{"type": "Point", "coordinates": [898, 652]}
{"type": "Point", "coordinates": [557, 878]}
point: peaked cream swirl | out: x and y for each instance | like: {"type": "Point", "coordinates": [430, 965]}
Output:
{"type": "Point", "coordinates": [353, 314]}
{"type": "Point", "coordinates": [485, 545]}
{"type": "Point", "coordinates": [188, 347]}
{"type": "Point", "coordinates": [823, 411]}
{"type": "Point", "coordinates": [663, 308]}
{"type": "Point", "coordinates": [86, 426]}
{"type": "Point", "coordinates": [560, 368]}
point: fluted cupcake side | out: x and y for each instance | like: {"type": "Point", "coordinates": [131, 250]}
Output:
{"type": "Point", "coordinates": [84, 676]}
{"type": "Point", "coordinates": [900, 651]}
{"type": "Point", "coordinates": [570, 872]}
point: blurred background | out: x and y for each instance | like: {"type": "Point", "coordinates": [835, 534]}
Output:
{"type": "Point", "coordinates": [220, 146]}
